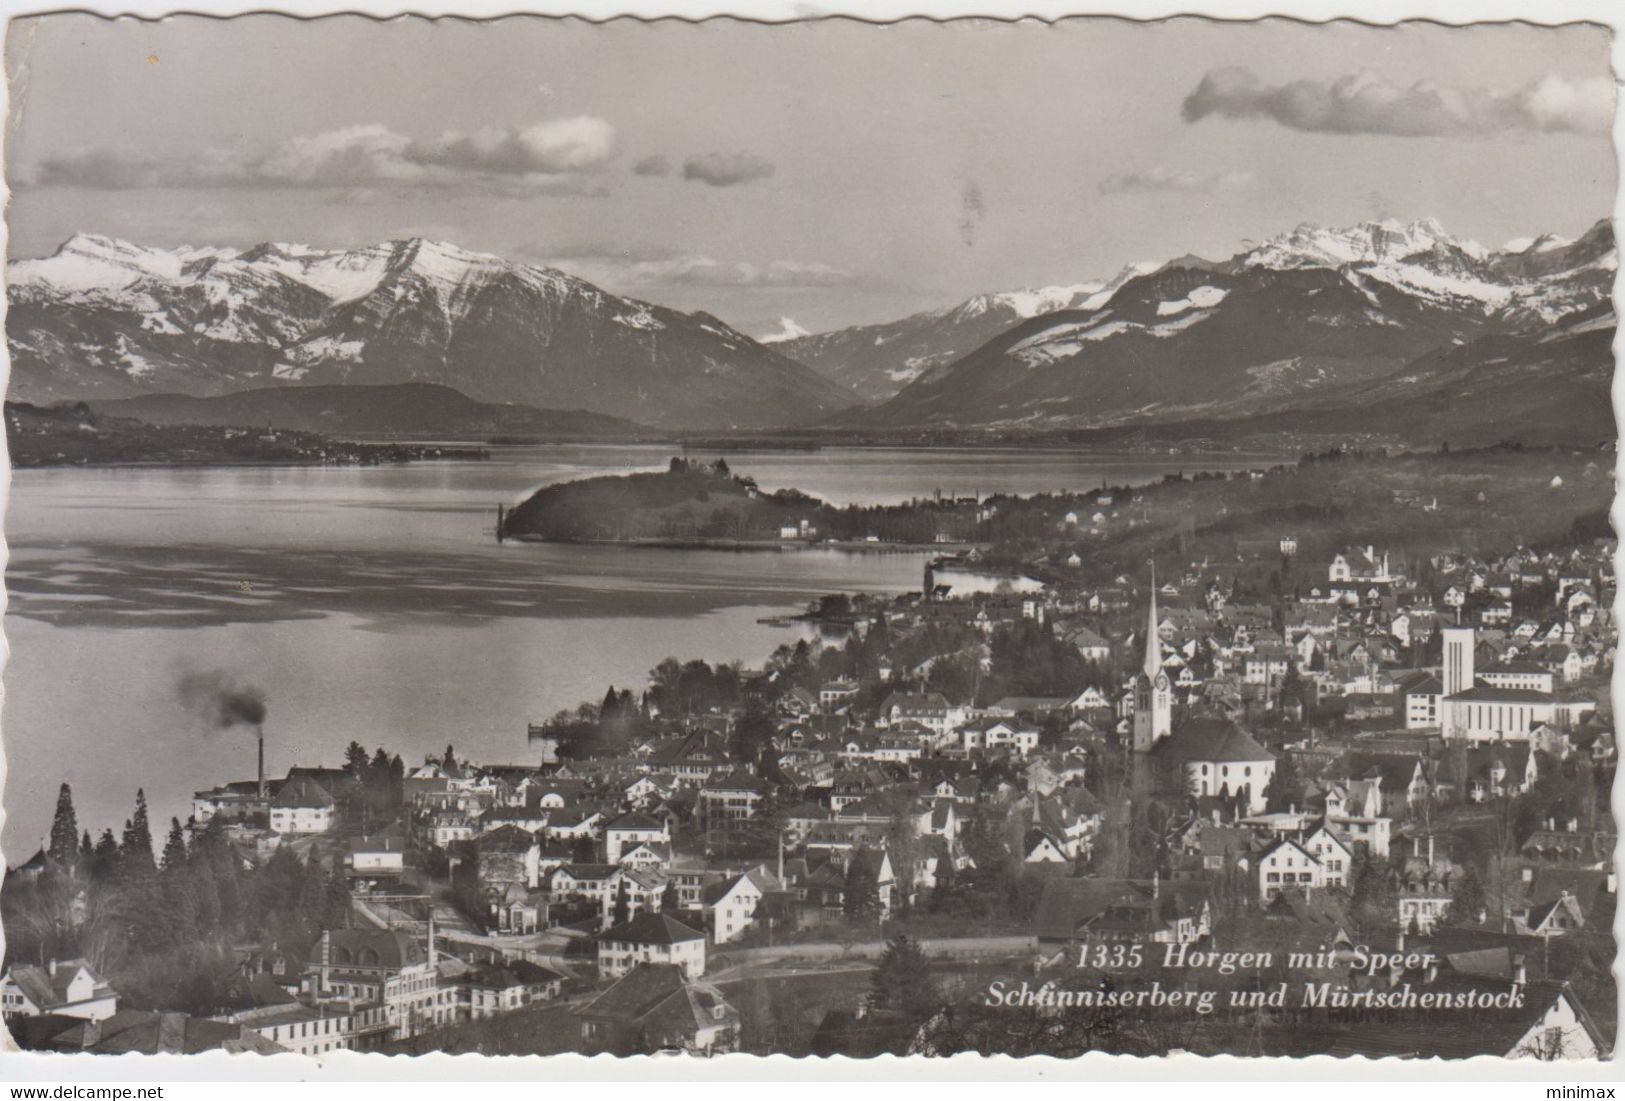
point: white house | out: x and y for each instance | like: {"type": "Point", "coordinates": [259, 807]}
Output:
{"type": "Point", "coordinates": [301, 806]}
{"type": "Point", "coordinates": [731, 904]}
{"type": "Point", "coordinates": [68, 988]}
{"type": "Point", "coordinates": [630, 830]}
{"type": "Point", "coordinates": [1335, 858]}
{"type": "Point", "coordinates": [1286, 865]}
{"type": "Point", "coordinates": [651, 937]}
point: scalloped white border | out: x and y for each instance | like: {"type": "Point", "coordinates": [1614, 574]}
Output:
{"type": "Point", "coordinates": [940, 1072]}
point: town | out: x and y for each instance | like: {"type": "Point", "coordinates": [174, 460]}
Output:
{"type": "Point", "coordinates": [1379, 766]}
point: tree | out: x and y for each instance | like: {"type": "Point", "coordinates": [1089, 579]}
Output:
{"type": "Point", "coordinates": [669, 898]}
{"type": "Point", "coordinates": [1285, 789]}
{"type": "Point", "coordinates": [1468, 902]}
{"type": "Point", "coordinates": [901, 981]}
{"type": "Point", "coordinates": [135, 848]}
{"type": "Point", "coordinates": [622, 912]}
{"type": "Point", "coordinates": [104, 861]}
{"type": "Point", "coordinates": [64, 845]}
{"type": "Point", "coordinates": [355, 761]}
{"type": "Point", "coordinates": [174, 848]}
{"type": "Point", "coordinates": [860, 900]}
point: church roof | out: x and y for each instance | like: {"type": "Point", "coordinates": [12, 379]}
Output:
{"type": "Point", "coordinates": [1208, 739]}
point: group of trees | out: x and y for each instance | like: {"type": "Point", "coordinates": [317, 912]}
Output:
{"type": "Point", "coordinates": [163, 929]}
{"type": "Point", "coordinates": [376, 793]}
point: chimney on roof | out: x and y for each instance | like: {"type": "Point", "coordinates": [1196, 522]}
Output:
{"type": "Point", "coordinates": [51, 968]}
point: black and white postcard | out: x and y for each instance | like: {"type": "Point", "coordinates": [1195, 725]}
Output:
{"type": "Point", "coordinates": [534, 536]}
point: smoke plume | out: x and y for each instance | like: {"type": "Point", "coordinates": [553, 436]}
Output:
{"type": "Point", "coordinates": [220, 701]}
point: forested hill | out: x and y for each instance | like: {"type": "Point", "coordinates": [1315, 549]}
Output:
{"type": "Point", "coordinates": [689, 500]}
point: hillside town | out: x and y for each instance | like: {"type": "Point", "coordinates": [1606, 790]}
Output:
{"type": "Point", "coordinates": [1399, 769]}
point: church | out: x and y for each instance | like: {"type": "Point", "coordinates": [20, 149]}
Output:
{"type": "Point", "coordinates": [1474, 711]}
{"type": "Point", "coordinates": [1204, 757]}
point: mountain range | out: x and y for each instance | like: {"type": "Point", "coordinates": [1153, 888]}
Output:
{"type": "Point", "coordinates": [1313, 319]}
{"type": "Point", "coordinates": [415, 410]}
{"type": "Point", "coordinates": [1379, 328]}
{"type": "Point", "coordinates": [876, 361]}
{"type": "Point", "coordinates": [104, 318]}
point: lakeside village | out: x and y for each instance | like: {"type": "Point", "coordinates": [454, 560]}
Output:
{"type": "Point", "coordinates": [938, 828]}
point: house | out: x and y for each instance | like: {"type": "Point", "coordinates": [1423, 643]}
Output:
{"type": "Point", "coordinates": [930, 709]}
{"type": "Point", "coordinates": [301, 806]}
{"type": "Point", "coordinates": [139, 1032]}
{"type": "Point", "coordinates": [731, 903]}
{"type": "Point", "coordinates": [651, 937]}
{"type": "Point", "coordinates": [1090, 645]}
{"type": "Point", "coordinates": [1075, 913]}
{"type": "Point", "coordinates": [1359, 564]}
{"type": "Point", "coordinates": [630, 830]}
{"type": "Point", "coordinates": [311, 1030]}
{"type": "Point", "coordinates": [66, 988]}
{"type": "Point", "coordinates": [382, 967]}
{"type": "Point", "coordinates": [1420, 693]}
{"type": "Point", "coordinates": [658, 1007]}
{"type": "Point", "coordinates": [376, 859]}
{"type": "Point", "coordinates": [1287, 865]}
{"type": "Point", "coordinates": [734, 796]}
{"type": "Point", "coordinates": [1090, 699]}
{"type": "Point", "coordinates": [487, 989]}
{"type": "Point", "coordinates": [1335, 857]}
{"type": "Point", "coordinates": [836, 694]}
{"type": "Point", "coordinates": [1545, 1020]}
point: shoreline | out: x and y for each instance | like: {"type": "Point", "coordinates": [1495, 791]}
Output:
{"type": "Point", "coordinates": [850, 546]}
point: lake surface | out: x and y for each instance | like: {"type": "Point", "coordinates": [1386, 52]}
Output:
{"type": "Point", "coordinates": [374, 604]}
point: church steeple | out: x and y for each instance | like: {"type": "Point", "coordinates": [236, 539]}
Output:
{"type": "Point", "coordinates": [1153, 636]}
{"type": "Point", "coordinates": [1153, 695]}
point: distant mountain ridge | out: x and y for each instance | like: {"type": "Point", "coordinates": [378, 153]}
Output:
{"type": "Point", "coordinates": [418, 410]}
{"type": "Point", "coordinates": [876, 361]}
{"type": "Point", "coordinates": [1310, 319]}
{"type": "Point", "coordinates": [105, 318]}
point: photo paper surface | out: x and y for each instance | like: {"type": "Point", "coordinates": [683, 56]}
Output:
{"type": "Point", "coordinates": [535, 536]}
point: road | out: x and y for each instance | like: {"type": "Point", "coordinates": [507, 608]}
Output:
{"type": "Point", "coordinates": [823, 952]}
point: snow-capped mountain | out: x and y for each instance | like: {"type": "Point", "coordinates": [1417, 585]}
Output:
{"type": "Point", "coordinates": [104, 318]}
{"type": "Point", "coordinates": [1291, 322]}
{"type": "Point", "coordinates": [876, 361]}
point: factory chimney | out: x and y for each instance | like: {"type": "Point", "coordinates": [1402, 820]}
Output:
{"type": "Point", "coordinates": [259, 738]}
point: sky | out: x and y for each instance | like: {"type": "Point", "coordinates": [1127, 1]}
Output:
{"type": "Point", "coordinates": [818, 175]}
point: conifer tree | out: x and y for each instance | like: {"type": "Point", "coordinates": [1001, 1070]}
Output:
{"type": "Point", "coordinates": [901, 980]}
{"type": "Point", "coordinates": [174, 859]}
{"type": "Point", "coordinates": [64, 845]}
{"type": "Point", "coordinates": [104, 860]}
{"type": "Point", "coordinates": [135, 849]}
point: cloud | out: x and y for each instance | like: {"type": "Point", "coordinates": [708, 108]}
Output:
{"type": "Point", "coordinates": [656, 165]}
{"type": "Point", "coordinates": [1142, 181]}
{"type": "Point", "coordinates": [1366, 102]}
{"type": "Point", "coordinates": [788, 329]}
{"type": "Point", "coordinates": [550, 148]}
{"type": "Point", "coordinates": [548, 157]}
{"type": "Point", "coordinates": [727, 169]}
{"type": "Point", "coordinates": [639, 268]}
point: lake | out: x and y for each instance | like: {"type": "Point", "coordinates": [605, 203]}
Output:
{"type": "Point", "coordinates": [374, 604]}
